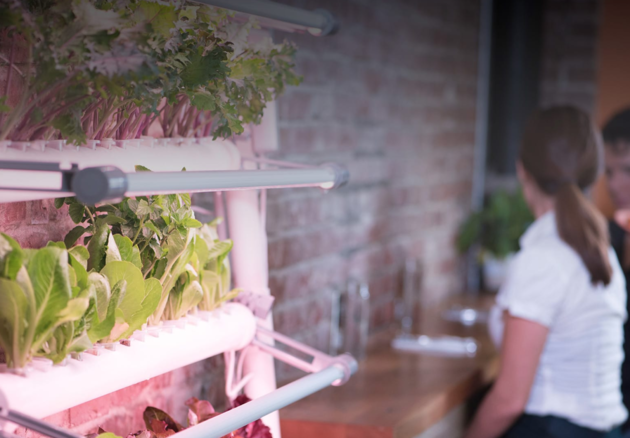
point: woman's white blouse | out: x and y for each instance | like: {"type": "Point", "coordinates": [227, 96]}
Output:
{"type": "Point", "coordinates": [579, 373]}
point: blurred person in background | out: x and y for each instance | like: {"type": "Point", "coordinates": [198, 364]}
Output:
{"type": "Point", "coordinates": [616, 134]}
{"type": "Point", "coordinates": [559, 315]}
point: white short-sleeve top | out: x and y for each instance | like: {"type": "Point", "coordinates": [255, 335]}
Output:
{"type": "Point", "coordinates": [579, 373]}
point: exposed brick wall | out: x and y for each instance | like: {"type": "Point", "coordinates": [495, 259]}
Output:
{"type": "Point", "coordinates": [392, 96]}
{"type": "Point", "coordinates": [569, 67]}
{"type": "Point", "coordinates": [34, 223]}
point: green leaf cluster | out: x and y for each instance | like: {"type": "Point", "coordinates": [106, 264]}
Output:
{"type": "Point", "coordinates": [145, 260]}
{"type": "Point", "coordinates": [75, 52]}
{"type": "Point", "coordinates": [214, 267]}
{"type": "Point", "coordinates": [498, 227]}
{"type": "Point", "coordinates": [41, 303]}
{"type": "Point", "coordinates": [100, 69]}
{"type": "Point", "coordinates": [159, 236]}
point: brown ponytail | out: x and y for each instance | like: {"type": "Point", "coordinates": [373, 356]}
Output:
{"type": "Point", "coordinates": [562, 151]}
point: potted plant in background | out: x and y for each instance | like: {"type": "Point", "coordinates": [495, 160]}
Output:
{"type": "Point", "coordinates": [495, 231]}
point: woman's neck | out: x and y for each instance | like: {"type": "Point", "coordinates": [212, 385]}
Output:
{"type": "Point", "coordinates": [542, 206]}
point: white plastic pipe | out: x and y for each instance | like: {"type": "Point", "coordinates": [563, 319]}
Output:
{"type": "Point", "coordinates": [250, 268]}
{"type": "Point", "coordinates": [251, 272]}
{"type": "Point", "coordinates": [236, 418]}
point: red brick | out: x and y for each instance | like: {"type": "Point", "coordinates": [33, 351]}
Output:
{"type": "Point", "coordinates": [12, 213]}
{"type": "Point", "coordinates": [454, 138]}
{"type": "Point", "coordinates": [302, 281]}
{"type": "Point", "coordinates": [450, 191]}
{"type": "Point", "coordinates": [38, 212]}
{"type": "Point", "coordinates": [382, 315]}
{"type": "Point", "coordinates": [289, 250]}
{"type": "Point", "coordinates": [383, 285]}
{"type": "Point", "coordinates": [296, 105]}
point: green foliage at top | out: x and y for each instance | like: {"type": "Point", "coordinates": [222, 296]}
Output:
{"type": "Point", "coordinates": [498, 227]}
{"type": "Point", "coordinates": [108, 69]}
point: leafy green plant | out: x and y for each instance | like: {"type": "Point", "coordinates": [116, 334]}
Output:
{"type": "Point", "coordinates": [184, 296]}
{"type": "Point", "coordinates": [139, 300]}
{"type": "Point", "coordinates": [498, 227]}
{"type": "Point", "coordinates": [74, 51]}
{"type": "Point", "coordinates": [156, 234]}
{"type": "Point", "coordinates": [214, 267]}
{"type": "Point", "coordinates": [38, 307]}
{"type": "Point", "coordinates": [99, 69]}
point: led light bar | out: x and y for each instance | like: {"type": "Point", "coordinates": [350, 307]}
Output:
{"type": "Point", "coordinates": [92, 185]}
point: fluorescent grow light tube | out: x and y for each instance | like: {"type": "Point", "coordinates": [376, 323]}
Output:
{"type": "Point", "coordinates": [287, 18]}
{"type": "Point", "coordinates": [92, 185]}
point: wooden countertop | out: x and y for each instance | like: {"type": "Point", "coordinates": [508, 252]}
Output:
{"type": "Point", "coordinates": [397, 394]}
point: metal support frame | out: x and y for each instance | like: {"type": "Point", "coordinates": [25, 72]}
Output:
{"type": "Point", "coordinates": [34, 424]}
{"type": "Point", "coordinates": [319, 362]}
{"type": "Point", "coordinates": [92, 185]}
{"type": "Point", "coordinates": [283, 17]}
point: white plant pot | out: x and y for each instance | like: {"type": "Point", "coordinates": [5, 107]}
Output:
{"type": "Point", "coordinates": [495, 271]}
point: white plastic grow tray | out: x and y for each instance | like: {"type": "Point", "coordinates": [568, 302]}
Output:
{"type": "Point", "coordinates": [43, 393]}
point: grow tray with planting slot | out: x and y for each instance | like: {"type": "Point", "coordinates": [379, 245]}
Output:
{"type": "Point", "coordinates": [50, 389]}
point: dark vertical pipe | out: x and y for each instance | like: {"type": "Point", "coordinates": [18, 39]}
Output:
{"type": "Point", "coordinates": [515, 75]}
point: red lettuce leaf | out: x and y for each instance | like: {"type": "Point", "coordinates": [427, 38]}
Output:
{"type": "Point", "coordinates": [202, 410]}
{"type": "Point", "coordinates": [255, 429]}
{"type": "Point", "coordinates": [160, 429]}
{"type": "Point", "coordinates": [142, 434]}
{"type": "Point", "coordinates": [160, 423]}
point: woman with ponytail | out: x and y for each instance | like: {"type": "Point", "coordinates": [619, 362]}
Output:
{"type": "Point", "coordinates": [559, 316]}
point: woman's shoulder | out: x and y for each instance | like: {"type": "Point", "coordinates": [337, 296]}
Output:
{"type": "Point", "coordinates": [552, 256]}
{"type": "Point", "coordinates": [536, 284]}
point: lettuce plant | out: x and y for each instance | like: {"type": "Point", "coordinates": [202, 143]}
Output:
{"type": "Point", "coordinates": [214, 267]}
{"type": "Point", "coordinates": [156, 234]}
{"type": "Point", "coordinates": [139, 297]}
{"type": "Point", "coordinates": [184, 296]}
{"type": "Point", "coordinates": [37, 305]}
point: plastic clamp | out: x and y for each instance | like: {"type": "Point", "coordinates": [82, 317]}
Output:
{"type": "Point", "coordinates": [348, 364]}
{"type": "Point", "coordinates": [96, 184]}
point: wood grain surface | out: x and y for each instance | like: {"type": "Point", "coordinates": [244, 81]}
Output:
{"type": "Point", "coordinates": [397, 394]}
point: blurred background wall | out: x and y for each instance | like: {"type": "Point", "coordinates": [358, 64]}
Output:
{"type": "Point", "coordinates": [393, 97]}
